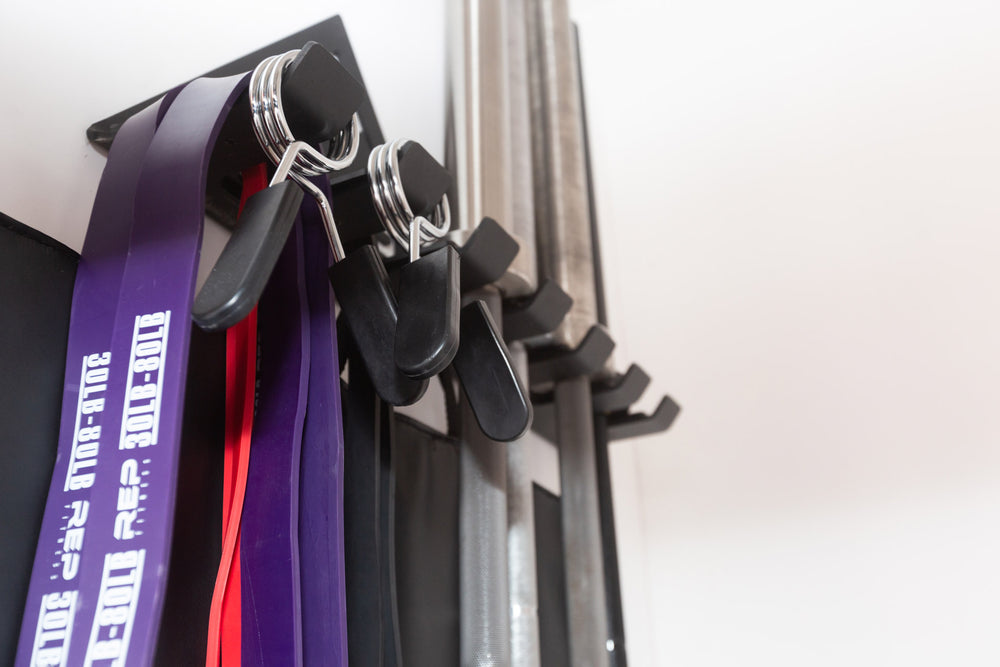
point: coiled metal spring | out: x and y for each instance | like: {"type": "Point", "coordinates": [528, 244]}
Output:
{"type": "Point", "coordinates": [408, 230]}
{"type": "Point", "coordinates": [296, 159]}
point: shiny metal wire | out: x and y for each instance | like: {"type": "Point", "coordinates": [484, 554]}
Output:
{"type": "Point", "coordinates": [297, 159]}
{"type": "Point", "coordinates": [273, 132]}
{"type": "Point", "coordinates": [394, 210]}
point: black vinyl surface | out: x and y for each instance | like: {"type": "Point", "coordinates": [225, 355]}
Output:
{"type": "Point", "coordinates": [372, 626]}
{"type": "Point", "coordinates": [426, 465]}
{"type": "Point", "coordinates": [36, 290]}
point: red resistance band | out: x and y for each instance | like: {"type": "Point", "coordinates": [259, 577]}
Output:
{"type": "Point", "coordinates": [224, 629]}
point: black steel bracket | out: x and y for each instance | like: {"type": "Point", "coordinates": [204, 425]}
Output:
{"type": "Point", "coordinates": [625, 425]}
{"type": "Point", "coordinates": [538, 314]}
{"type": "Point", "coordinates": [552, 364]}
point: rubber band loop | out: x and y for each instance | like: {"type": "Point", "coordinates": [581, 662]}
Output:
{"type": "Point", "coordinates": [224, 632]}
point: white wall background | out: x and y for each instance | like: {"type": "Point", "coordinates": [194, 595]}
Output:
{"type": "Point", "coordinates": [802, 210]}
{"type": "Point", "coordinates": [799, 205]}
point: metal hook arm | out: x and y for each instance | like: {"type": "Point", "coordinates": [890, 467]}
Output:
{"type": "Point", "coordinates": [285, 169]}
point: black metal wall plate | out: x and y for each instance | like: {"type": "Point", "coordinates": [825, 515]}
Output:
{"type": "Point", "coordinates": [222, 193]}
{"type": "Point", "coordinates": [330, 33]}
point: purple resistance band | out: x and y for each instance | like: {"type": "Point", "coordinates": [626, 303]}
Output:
{"type": "Point", "coordinates": [321, 490]}
{"type": "Point", "coordinates": [100, 570]}
{"type": "Point", "coordinates": [291, 540]}
{"type": "Point", "coordinates": [269, 540]}
{"type": "Point", "coordinates": [53, 601]}
{"type": "Point", "coordinates": [98, 583]}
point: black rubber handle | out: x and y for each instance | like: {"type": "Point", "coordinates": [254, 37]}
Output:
{"type": "Point", "coordinates": [368, 306]}
{"type": "Point", "coordinates": [495, 393]}
{"type": "Point", "coordinates": [427, 331]}
{"type": "Point", "coordinates": [237, 280]}
{"type": "Point", "coordinates": [319, 95]}
{"type": "Point", "coordinates": [424, 180]}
